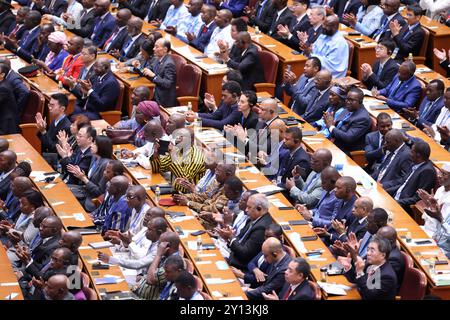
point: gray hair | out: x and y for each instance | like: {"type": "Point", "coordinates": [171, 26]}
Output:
{"type": "Point", "coordinates": [261, 201]}
{"type": "Point", "coordinates": [320, 11]}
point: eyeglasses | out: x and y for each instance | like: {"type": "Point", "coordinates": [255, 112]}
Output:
{"type": "Point", "coordinates": [130, 197]}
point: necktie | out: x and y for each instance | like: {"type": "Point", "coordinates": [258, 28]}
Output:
{"type": "Point", "coordinates": [341, 123]}
{"type": "Point", "coordinates": [204, 28]}
{"type": "Point", "coordinates": [380, 30]}
{"type": "Point", "coordinates": [260, 9]}
{"type": "Point", "coordinates": [51, 5]}
{"type": "Point", "coordinates": [392, 95]}
{"type": "Point", "coordinates": [113, 36]}
{"type": "Point", "coordinates": [128, 46]}
{"type": "Point", "coordinates": [14, 31]}
{"type": "Point", "coordinates": [288, 293]}
{"type": "Point", "coordinates": [427, 109]}
{"type": "Point", "coordinates": [407, 34]}
{"type": "Point", "coordinates": [385, 165]}
{"type": "Point", "coordinates": [315, 176]}
{"type": "Point", "coordinates": [399, 191]}
{"type": "Point", "coordinates": [364, 242]}
{"type": "Point", "coordinates": [84, 74]}
{"type": "Point", "coordinates": [380, 69]}
{"type": "Point", "coordinates": [83, 12]}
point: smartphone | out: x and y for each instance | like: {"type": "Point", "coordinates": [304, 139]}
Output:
{"type": "Point", "coordinates": [354, 33]}
{"type": "Point", "coordinates": [100, 266]}
{"type": "Point", "coordinates": [423, 242]}
{"type": "Point", "coordinates": [286, 208]}
{"type": "Point", "coordinates": [179, 231]}
{"type": "Point", "coordinates": [359, 39]}
{"type": "Point", "coordinates": [163, 147]}
{"type": "Point", "coordinates": [50, 173]}
{"type": "Point", "coordinates": [286, 227]}
{"type": "Point", "coordinates": [197, 233]}
{"type": "Point", "coordinates": [296, 52]}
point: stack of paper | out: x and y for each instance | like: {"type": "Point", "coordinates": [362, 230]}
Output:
{"type": "Point", "coordinates": [331, 288]}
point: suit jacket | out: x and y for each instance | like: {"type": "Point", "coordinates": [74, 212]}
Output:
{"type": "Point", "coordinates": [250, 241]}
{"type": "Point", "coordinates": [20, 91]}
{"type": "Point", "coordinates": [352, 7]}
{"type": "Point", "coordinates": [300, 158]}
{"type": "Point", "coordinates": [260, 139]}
{"type": "Point", "coordinates": [274, 281]}
{"type": "Point", "coordinates": [373, 149]}
{"type": "Point", "coordinates": [97, 183]}
{"type": "Point", "coordinates": [117, 42]}
{"type": "Point", "coordinates": [388, 73]}
{"type": "Point", "coordinates": [5, 186]}
{"type": "Point", "coordinates": [431, 115]}
{"type": "Point", "coordinates": [235, 6]}
{"type": "Point", "coordinates": [301, 93]}
{"type": "Point", "coordinates": [250, 122]}
{"type": "Point", "coordinates": [103, 98]}
{"type": "Point", "coordinates": [58, 8]}
{"type": "Point", "coordinates": [41, 255]}
{"type": "Point", "coordinates": [103, 28]}
{"type": "Point", "coordinates": [315, 108]}
{"type": "Point", "coordinates": [8, 123]}
{"type": "Point", "coordinates": [249, 277]}
{"type": "Point", "coordinates": [201, 41]}
{"type": "Point", "coordinates": [423, 178]}
{"type": "Point", "coordinates": [313, 34]}
{"type": "Point", "coordinates": [27, 43]}
{"type": "Point", "coordinates": [395, 170]}
{"type": "Point", "coordinates": [159, 11]}
{"type": "Point", "coordinates": [90, 75]}
{"type": "Point", "coordinates": [138, 8]}
{"type": "Point", "coordinates": [224, 115]}
{"type": "Point", "coordinates": [263, 19]}
{"type": "Point", "coordinates": [134, 49]}
{"type": "Point", "coordinates": [405, 96]}
{"type": "Point", "coordinates": [250, 67]}
{"type": "Point", "coordinates": [86, 25]}
{"type": "Point", "coordinates": [165, 81]}
{"type": "Point", "coordinates": [83, 160]}
{"type": "Point", "coordinates": [352, 133]}
{"type": "Point", "coordinates": [285, 19]}
{"type": "Point", "coordinates": [303, 26]}
{"type": "Point", "coordinates": [17, 33]}
{"type": "Point", "coordinates": [387, 288]}
{"type": "Point", "coordinates": [409, 42]}
{"type": "Point", "coordinates": [302, 292]}
{"type": "Point", "coordinates": [356, 227]}
{"type": "Point", "coordinates": [49, 139]}
{"type": "Point", "coordinates": [398, 264]}
{"type": "Point", "coordinates": [446, 66]}
{"type": "Point", "coordinates": [7, 21]}
{"type": "Point", "coordinates": [387, 31]}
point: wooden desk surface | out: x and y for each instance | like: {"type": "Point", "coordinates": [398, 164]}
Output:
{"type": "Point", "coordinates": [9, 286]}
{"type": "Point", "coordinates": [429, 74]}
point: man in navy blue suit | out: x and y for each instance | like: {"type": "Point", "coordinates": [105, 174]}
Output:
{"type": "Point", "coordinates": [201, 40]}
{"type": "Point", "coordinates": [403, 91]}
{"type": "Point", "coordinates": [120, 33]}
{"type": "Point", "coordinates": [391, 14]}
{"type": "Point", "coordinates": [235, 6]}
{"type": "Point", "coordinates": [104, 23]}
{"type": "Point", "coordinates": [350, 133]}
{"type": "Point", "coordinates": [374, 152]}
{"type": "Point", "coordinates": [52, 7]}
{"type": "Point", "coordinates": [318, 99]}
{"type": "Point", "coordinates": [430, 107]}
{"type": "Point", "coordinates": [99, 93]}
{"type": "Point", "coordinates": [132, 42]}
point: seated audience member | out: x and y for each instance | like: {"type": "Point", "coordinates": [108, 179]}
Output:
{"type": "Point", "coordinates": [104, 23]}
{"type": "Point", "coordinates": [81, 157]}
{"type": "Point", "coordinates": [133, 42]}
{"type": "Point", "coordinates": [88, 57]}
{"type": "Point", "coordinates": [367, 19]}
{"type": "Point", "coordinates": [8, 124]}
{"type": "Point", "coordinates": [390, 14]}
{"type": "Point", "coordinates": [185, 160]}
{"type": "Point", "coordinates": [157, 11]}
{"type": "Point", "coordinates": [71, 240]}
{"type": "Point", "coordinates": [143, 59]}
{"type": "Point", "coordinates": [336, 203]}
{"type": "Point", "coordinates": [439, 131]}
{"type": "Point", "coordinates": [162, 73]}
{"type": "Point", "coordinates": [89, 184]}
{"type": "Point", "coordinates": [296, 286]}
{"type": "Point", "coordinates": [57, 41]}
{"type": "Point", "coordinates": [245, 245]}
{"type": "Point", "coordinates": [69, 17]}
{"type": "Point", "coordinates": [41, 50]}
{"type": "Point", "coordinates": [421, 176]}
{"type": "Point", "coordinates": [300, 91]}
{"type": "Point", "coordinates": [278, 260]}
{"type": "Point", "coordinates": [155, 228]}
{"type": "Point", "coordinates": [192, 25]}
{"type": "Point", "coordinates": [317, 17]}
{"type": "Point", "coordinates": [331, 48]}
{"type": "Point", "coordinates": [443, 59]}
{"type": "Point", "coordinates": [261, 15]}
{"type": "Point", "coordinates": [403, 91]}
{"type": "Point", "coordinates": [57, 288]}
{"type": "Point", "coordinates": [136, 197]}
{"type": "Point", "coordinates": [78, 122]}
{"type": "Point", "coordinates": [187, 287]}
{"type": "Point", "coordinates": [120, 32]}
{"type": "Point", "coordinates": [336, 106]}
{"type": "Point", "coordinates": [19, 25]}
{"type": "Point", "coordinates": [373, 151]}
{"type": "Point", "coordinates": [282, 16]}
{"type": "Point", "coordinates": [364, 273]}
{"type": "Point", "coordinates": [114, 213]}
{"type": "Point", "coordinates": [396, 259]}
{"type": "Point", "coordinates": [249, 119]}
{"type": "Point", "coordinates": [384, 69]}
{"type": "Point", "coordinates": [201, 39]}
{"type": "Point", "coordinates": [236, 7]}
{"type": "Point", "coordinates": [318, 98]}
{"type": "Point", "coordinates": [151, 284]}
{"type": "Point", "coordinates": [145, 111]}
{"type": "Point", "coordinates": [396, 163]}
{"type": "Point", "coordinates": [246, 61]}
{"type": "Point", "coordinates": [408, 39]}
{"type": "Point", "coordinates": [288, 33]}
{"type": "Point", "coordinates": [175, 16]}
{"type": "Point", "coordinates": [73, 63]}
{"type": "Point", "coordinates": [85, 27]}
{"type": "Point", "coordinates": [7, 18]}
{"type": "Point", "coordinates": [361, 209]}
{"type": "Point", "coordinates": [309, 191]}
{"type": "Point", "coordinates": [57, 108]}
{"type": "Point", "coordinates": [56, 7]}
{"type": "Point", "coordinates": [137, 8]}
{"type": "Point", "coordinates": [430, 107]}
{"type": "Point", "coordinates": [11, 205]}
{"type": "Point", "coordinates": [139, 94]}
{"type": "Point", "coordinates": [173, 267]}
{"type": "Point", "coordinates": [221, 32]}
{"type": "Point", "coordinates": [349, 134]}
{"type": "Point", "coordinates": [226, 114]}
{"type": "Point", "coordinates": [8, 159]}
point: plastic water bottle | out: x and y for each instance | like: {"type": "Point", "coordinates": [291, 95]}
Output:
{"type": "Point", "coordinates": [157, 194]}
{"type": "Point", "coordinates": [410, 57]}
{"type": "Point", "coordinates": [60, 86]}
{"type": "Point", "coordinates": [257, 31]}
{"type": "Point", "coordinates": [199, 244]}
{"type": "Point", "coordinates": [189, 106]}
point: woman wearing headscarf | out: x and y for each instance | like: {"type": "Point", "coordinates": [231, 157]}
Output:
{"type": "Point", "coordinates": [145, 111]}
{"type": "Point", "coordinates": [57, 41]}
{"type": "Point", "coordinates": [336, 103]}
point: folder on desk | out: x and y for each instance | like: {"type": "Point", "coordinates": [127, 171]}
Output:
{"type": "Point", "coordinates": [108, 280]}
{"type": "Point", "coordinates": [175, 214]}
{"type": "Point", "coordinates": [297, 222]}
{"type": "Point", "coordinates": [119, 296]}
{"type": "Point", "coordinates": [163, 188]}
{"type": "Point", "coordinates": [84, 230]}
{"type": "Point", "coordinates": [380, 107]}
{"type": "Point", "coordinates": [100, 245]}
{"type": "Point", "coordinates": [308, 133]}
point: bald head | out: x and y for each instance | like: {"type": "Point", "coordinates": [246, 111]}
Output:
{"type": "Point", "coordinates": [172, 238]}
{"type": "Point", "coordinates": [118, 186]}
{"type": "Point", "coordinates": [393, 139]}
{"type": "Point", "coordinates": [57, 287]}
{"type": "Point", "coordinates": [388, 233]}
{"type": "Point", "coordinates": [4, 144]}
{"type": "Point", "coordinates": [156, 212]}
{"type": "Point", "coordinates": [176, 121]}
{"type": "Point", "coordinates": [135, 26]}
{"type": "Point", "coordinates": [75, 45]}
{"type": "Point", "coordinates": [153, 130]}
{"type": "Point", "coordinates": [349, 183]}
{"type": "Point", "coordinates": [323, 79]}
{"type": "Point", "coordinates": [123, 16]}
{"type": "Point", "coordinates": [40, 214]}
{"type": "Point", "coordinates": [362, 207]}
{"type": "Point", "coordinates": [8, 160]}
{"type": "Point", "coordinates": [50, 227]}
{"type": "Point", "coordinates": [21, 184]}
{"type": "Point", "coordinates": [71, 240]}
{"type": "Point", "coordinates": [269, 109]}
{"type": "Point", "coordinates": [321, 159]}
{"type": "Point", "coordinates": [280, 126]}
{"type": "Point", "coordinates": [245, 37]}
{"type": "Point", "coordinates": [272, 245]}
{"type": "Point", "coordinates": [140, 94]}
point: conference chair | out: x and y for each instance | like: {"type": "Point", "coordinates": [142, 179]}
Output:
{"type": "Point", "coordinates": [188, 85]}
{"type": "Point", "coordinates": [113, 116]}
{"type": "Point", "coordinates": [35, 104]}
{"type": "Point", "coordinates": [270, 62]}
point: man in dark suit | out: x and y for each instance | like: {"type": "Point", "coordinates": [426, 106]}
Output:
{"type": "Point", "coordinates": [57, 107]}
{"type": "Point", "coordinates": [278, 260]}
{"type": "Point", "coordinates": [8, 160]}
{"type": "Point", "coordinates": [104, 23]}
{"type": "Point", "coordinates": [373, 150]}
{"type": "Point", "coordinates": [8, 124]}
{"type": "Point", "coordinates": [18, 28]}
{"type": "Point", "coordinates": [88, 56]}
{"type": "Point", "coordinates": [397, 163]}
{"type": "Point", "coordinates": [120, 33]}
{"type": "Point", "coordinates": [288, 33]}
{"type": "Point", "coordinates": [421, 176]}
{"type": "Point", "coordinates": [163, 74]}
{"type": "Point", "coordinates": [347, 7]}
{"type": "Point", "coordinates": [81, 158]}
{"type": "Point", "coordinates": [297, 157]}
{"type": "Point", "coordinates": [52, 7]}
{"type": "Point", "coordinates": [316, 18]}
{"type": "Point", "coordinates": [318, 99]}
{"type": "Point", "coordinates": [430, 107]}
{"type": "Point", "coordinates": [300, 91]}
{"type": "Point", "coordinates": [296, 285]}
{"type": "Point", "coordinates": [87, 19]}
{"type": "Point", "coordinates": [262, 15]}
{"type": "Point", "coordinates": [99, 93]}
{"type": "Point", "coordinates": [409, 38]}
{"type": "Point", "coordinates": [349, 134]}
{"type": "Point", "coordinates": [283, 16]}
{"type": "Point", "coordinates": [246, 61]}
{"type": "Point", "coordinates": [396, 259]}
{"type": "Point", "coordinates": [375, 279]}
{"type": "Point", "coordinates": [391, 14]}
{"type": "Point", "coordinates": [201, 40]}
{"type": "Point", "coordinates": [384, 69]}
{"type": "Point", "coordinates": [248, 242]}
{"type": "Point", "coordinates": [138, 8]}
{"type": "Point", "coordinates": [7, 18]}
{"type": "Point", "coordinates": [132, 43]}
{"type": "Point", "coordinates": [157, 10]}
{"type": "Point", "coordinates": [235, 6]}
